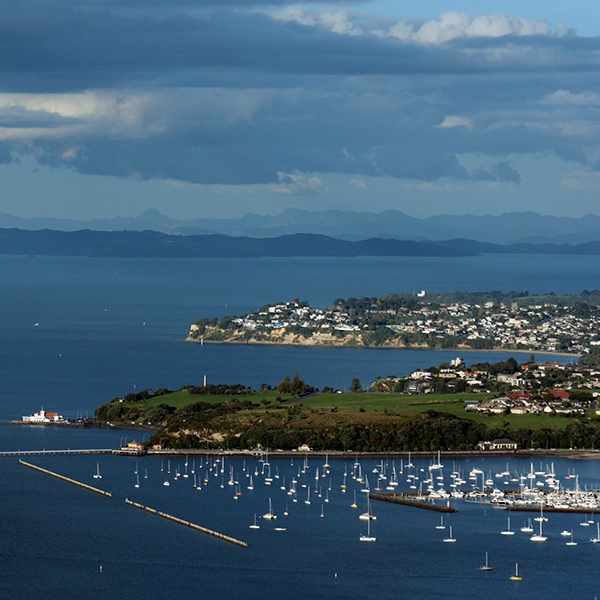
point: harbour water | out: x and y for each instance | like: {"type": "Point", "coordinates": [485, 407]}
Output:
{"type": "Point", "coordinates": [76, 332]}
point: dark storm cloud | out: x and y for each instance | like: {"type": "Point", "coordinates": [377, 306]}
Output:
{"type": "Point", "coordinates": [235, 96]}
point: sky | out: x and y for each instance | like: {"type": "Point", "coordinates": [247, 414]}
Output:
{"type": "Point", "coordinates": [218, 108]}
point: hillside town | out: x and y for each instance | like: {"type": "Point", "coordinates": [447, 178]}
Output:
{"type": "Point", "coordinates": [545, 324]}
{"type": "Point", "coordinates": [549, 388]}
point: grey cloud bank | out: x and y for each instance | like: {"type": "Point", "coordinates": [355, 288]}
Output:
{"type": "Point", "coordinates": [283, 97]}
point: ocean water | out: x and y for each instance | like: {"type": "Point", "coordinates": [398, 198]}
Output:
{"type": "Point", "coordinates": [64, 542]}
{"type": "Point", "coordinates": [76, 332]}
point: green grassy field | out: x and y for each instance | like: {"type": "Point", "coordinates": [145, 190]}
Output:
{"type": "Point", "coordinates": [390, 404]}
{"type": "Point", "coordinates": [180, 399]}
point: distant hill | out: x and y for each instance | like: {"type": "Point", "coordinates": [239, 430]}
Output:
{"type": "Point", "coordinates": [155, 244]}
{"type": "Point", "coordinates": [508, 228]}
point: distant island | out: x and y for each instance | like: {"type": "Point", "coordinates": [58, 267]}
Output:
{"type": "Point", "coordinates": [153, 244]}
{"type": "Point", "coordinates": [516, 321]}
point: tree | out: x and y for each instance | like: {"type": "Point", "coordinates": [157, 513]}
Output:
{"type": "Point", "coordinates": [355, 385]}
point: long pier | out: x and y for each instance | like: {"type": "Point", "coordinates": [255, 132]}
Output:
{"type": "Point", "coordinates": [205, 530]}
{"type": "Point", "coordinates": [407, 500]}
{"type": "Point", "coordinates": [43, 452]}
{"type": "Point", "coordinates": [67, 479]}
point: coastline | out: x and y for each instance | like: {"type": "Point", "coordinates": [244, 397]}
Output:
{"type": "Point", "coordinates": [357, 346]}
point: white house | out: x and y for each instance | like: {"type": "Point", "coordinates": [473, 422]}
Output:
{"type": "Point", "coordinates": [43, 417]}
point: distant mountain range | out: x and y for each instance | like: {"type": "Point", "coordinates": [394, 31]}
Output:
{"type": "Point", "coordinates": [160, 245]}
{"type": "Point", "coordinates": [508, 228]}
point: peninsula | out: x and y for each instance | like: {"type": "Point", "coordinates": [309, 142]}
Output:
{"type": "Point", "coordinates": [514, 321]}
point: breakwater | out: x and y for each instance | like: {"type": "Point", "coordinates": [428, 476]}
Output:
{"type": "Point", "coordinates": [67, 479]}
{"type": "Point", "coordinates": [189, 524]}
{"type": "Point", "coordinates": [407, 500]}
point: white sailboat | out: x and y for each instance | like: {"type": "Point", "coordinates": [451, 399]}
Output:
{"type": "Point", "coordinates": [539, 537]}
{"type": "Point", "coordinates": [571, 542]}
{"type": "Point", "coordinates": [441, 525]}
{"type": "Point", "coordinates": [368, 515]}
{"type": "Point", "coordinates": [450, 539]}
{"type": "Point", "coordinates": [596, 540]}
{"type": "Point", "coordinates": [508, 530]}
{"type": "Point", "coordinates": [527, 528]}
{"type": "Point", "coordinates": [97, 474]}
{"type": "Point", "coordinates": [486, 567]}
{"type": "Point", "coordinates": [368, 537]}
{"type": "Point", "coordinates": [270, 514]}
{"type": "Point", "coordinates": [137, 481]}
{"type": "Point", "coordinates": [254, 525]}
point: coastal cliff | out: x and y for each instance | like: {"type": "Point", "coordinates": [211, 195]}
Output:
{"type": "Point", "coordinates": [478, 321]}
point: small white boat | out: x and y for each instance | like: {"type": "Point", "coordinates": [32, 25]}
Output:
{"type": "Point", "coordinates": [508, 530]}
{"type": "Point", "coordinates": [254, 525]}
{"type": "Point", "coordinates": [270, 514]}
{"type": "Point", "coordinates": [571, 542]}
{"type": "Point", "coordinates": [441, 525]}
{"type": "Point", "coordinates": [540, 537]}
{"type": "Point", "coordinates": [527, 528]}
{"type": "Point", "coordinates": [566, 533]}
{"type": "Point", "coordinates": [97, 474]}
{"type": "Point", "coordinates": [486, 567]}
{"type": "Point", "coordinates": [368, 537]}
{"type": "Point", "coordinates": [450, 539]}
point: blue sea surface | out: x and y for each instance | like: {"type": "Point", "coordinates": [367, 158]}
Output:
{"type": "Point", "coordinates": [75, 332]}
{"type": "Point", "coordinates": [95, 547]}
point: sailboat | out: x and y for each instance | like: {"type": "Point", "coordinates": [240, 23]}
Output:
{"type": "Point", "coordinates": [307, 501]}
{"type": "Point", "coordinates": [368, 516]}
{"type": "Point", "coordinates": [527, 528]}
{"type": "Point", "coordinates": [255, 525]}
{"type": "Point", "coordinates": [516, 576]}
{"type": "Point", "coordinates": [539, 537]}
{"type": "Point", "coordinates": [508, 531]}
{"type": "Point", "coordinates": [571, 542]}
{"type": "Point", "coordinates": [270, 514]}
{"type": "Point", "coordinates": [251, 485]}
{"type": "Point", "coordinates": [486, 567]}
{"type": "Point", "coordinates": [97, 474]}
{"type": "Point", "coordinates": [450, 539]}
{"type": "Point", "coordinates": [354, 505]}
{"type": "Point", "coordinates": [322, 513]}
{"type": "Point", "coordinates": [368, 537]}
{"type": "Point", "coordinates": [597, 538]}
{"type": "Point", "coordinates": [441, 525]}
{"type": "Point", "coordinates": [137, 481]}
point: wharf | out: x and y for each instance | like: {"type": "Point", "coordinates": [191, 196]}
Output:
{"type": "Point", "coordinates": [410, 500]}
{"type": "Point", "coordinates": [80, 484]}
{"type": "Point", "coordinates": [221, 536]}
